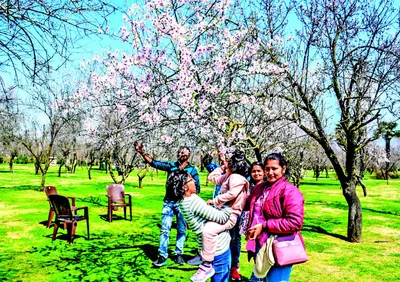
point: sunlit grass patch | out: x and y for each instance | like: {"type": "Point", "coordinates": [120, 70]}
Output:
{"type": "Point", "coordinates": [123, 250]}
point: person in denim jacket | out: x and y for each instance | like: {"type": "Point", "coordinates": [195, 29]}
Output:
{"type": "Point", "coordinates": [171, 207]}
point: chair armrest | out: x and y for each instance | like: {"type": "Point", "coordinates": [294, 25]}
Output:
{"type": "Point", "coordinates": [86, 210]}
{"type": "Point", "coordinates": [72, 200]}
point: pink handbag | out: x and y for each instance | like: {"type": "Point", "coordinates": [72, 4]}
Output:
{"type": "Point", "coordinates": [289, 250]}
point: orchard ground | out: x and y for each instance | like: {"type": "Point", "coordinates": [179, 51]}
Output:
{"type": "Point", "coordinates": [123, 250]}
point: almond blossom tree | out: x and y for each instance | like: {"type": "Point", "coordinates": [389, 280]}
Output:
{"type": "Point", "coordinates": [36, 36]}
{"type": "Point", "coordinates": [190, 73]}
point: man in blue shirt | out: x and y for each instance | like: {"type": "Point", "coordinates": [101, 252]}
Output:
{"type": "Point", "coordinates": [170, 207]}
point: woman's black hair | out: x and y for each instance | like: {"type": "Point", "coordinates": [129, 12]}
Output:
{"type": "Point", "coordinates": [282, 162]}
{"type": "Point", "coordinates": [175, 185]}
{"type": "Point", "coordinates": [251, 168]}
{"type": "Point", "coordinates": [239, 164]}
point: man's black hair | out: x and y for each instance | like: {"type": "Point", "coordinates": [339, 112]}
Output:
{"type": "Point", "coordinates": [184, 147]}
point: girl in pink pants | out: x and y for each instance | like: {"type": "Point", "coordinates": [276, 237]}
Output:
{"type": "Point", "coordinates": [232, 178]}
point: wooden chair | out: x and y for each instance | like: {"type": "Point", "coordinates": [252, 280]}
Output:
{"type": "Point", "coordinates": [64, 217]}
{"type": "Point", "coordinates": [51, 190]}
{"type": "Point", "coordinates": [116, 198]}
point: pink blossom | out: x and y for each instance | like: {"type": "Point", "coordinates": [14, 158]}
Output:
{"type": "Point", "coordinates": [122, 109]}
{"type": "Point", "coordinates": [166, 139]}
{"type": "Point", "coordinates": [164, 101]}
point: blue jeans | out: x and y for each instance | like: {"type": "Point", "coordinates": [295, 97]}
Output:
{"type": "Point", "coordinates": [236, 244]}
{"type": "Point", "coordinates": [222, 267]}
{"type": "Point", "coordinates": [170, 209]}
{"type": "Point", "coordinates": [275, 274]}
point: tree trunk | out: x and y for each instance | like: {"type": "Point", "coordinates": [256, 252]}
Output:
{"type": "Point", "coordinates": [362, 164]}
{"type": "Point", "coordinates": [201, 163]}
{"type": "Point", "coordinates": [59, 169]}
{"type": "Point", "coordinates": [296, 181]}
{"type": "Point", "coordinates": [74, 163]}
{"type": "Point", "coordinates": [43, 181]}
{"type": "Point", "coordinates": [11, 163]}
{"type": "Point", "coordinates": [36, 168]}
{"type": "Point", "coordinates": [142, 174]}
{"type": "Point", "coordinates": [387, 164]}
{"type": "Point", "coordinates": [354, 221]}
{"type": "Point", "coordinates": [316, 172]}
{"type": "Point", "coordinates": [89, 170]}
{"type": "Point", "coordinates": [326, 172]}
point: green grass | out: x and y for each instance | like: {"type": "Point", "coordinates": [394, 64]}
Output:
{"type": "Point", "coordinates": [123, 250]}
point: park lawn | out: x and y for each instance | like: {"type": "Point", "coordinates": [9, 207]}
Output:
{"type": "Point", "coordinates": [123, 250]}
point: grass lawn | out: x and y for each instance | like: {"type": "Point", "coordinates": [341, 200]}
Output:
{"type": "Point", "coordinates": [123, 250]}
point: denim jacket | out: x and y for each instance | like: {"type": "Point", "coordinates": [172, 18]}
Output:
{"type": "Point", "coordinates": [174, 166]}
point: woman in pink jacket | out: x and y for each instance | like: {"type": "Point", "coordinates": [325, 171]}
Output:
{"type": "Point", "coordinates": [276, 207]}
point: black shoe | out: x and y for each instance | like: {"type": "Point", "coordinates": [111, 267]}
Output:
{"type": "Point", "coordinates": [161, 261]}
{"type": "Point", "coordinates": [179, 260]}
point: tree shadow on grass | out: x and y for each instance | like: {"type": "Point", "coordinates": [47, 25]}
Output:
{"type": "Point", "coordinates": [64, 237]}
{"type": "Point", "coordinates": [96, 201]}
{"type": "Point", "coordinates": [320, 230]}
{"type": "Point", "coordinates": [108, 257]}
{"type": "Point", "coordinates": [24, 188]}
{"type": "Point", "coordinates": [332, 205]}
{"type": "Point", "coordinates": [397, 213]}
{"type": "Point", "coordinates": [115, 217]}
{"type": "Point", "coordinates": [341, 206]}
{"type": "Point", "coordinates": [319, 184]}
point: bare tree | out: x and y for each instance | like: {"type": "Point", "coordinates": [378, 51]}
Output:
{"type": "Point", "coordinates": [342, 55]}
{"type": "Point", "coordinates": [36, 36]}
{"type": "Point", "coordinates": [56, 112]}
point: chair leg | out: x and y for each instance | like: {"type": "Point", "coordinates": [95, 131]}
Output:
{"type": "Point", "coordinates": [51, 214]}
{"type": "Point", "coordinates": [125, 212]}
{"type": "Point", "coordinates": [130, 210]}
{"type": "Point", "coordinates": [55, 231]}
{"type": "Point", "coordinates": [68, 227]}
{"type": "Point", "coordinates": [87, 227]}
{"type": "Point", "coordinates": [72, 229]}
{"type": "Point", "coordinates": [110, 214]}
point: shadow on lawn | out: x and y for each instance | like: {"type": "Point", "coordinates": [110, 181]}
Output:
{"type": "Point", "coordinates": [316, 183]}
{"type": "Point", "coordinates": [318, 229]}
{"type": "Point", "coordinates": [383, 212]}
{"type": "Point", "coordinates": [337, 205]}
{"type": "Point", "coordinates": [115, 217]}
{"type": "Point", "coordinates": [332, 205]}
{"type": "Point", "coordinates": [106, 257]}
{"type": "Point", "coordinates": [24, 187]}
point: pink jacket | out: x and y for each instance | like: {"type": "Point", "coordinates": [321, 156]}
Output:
{"type": "Point", "coordinates": [233, 190]}
{"type": "Point", "coordinates": [283, 208]}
